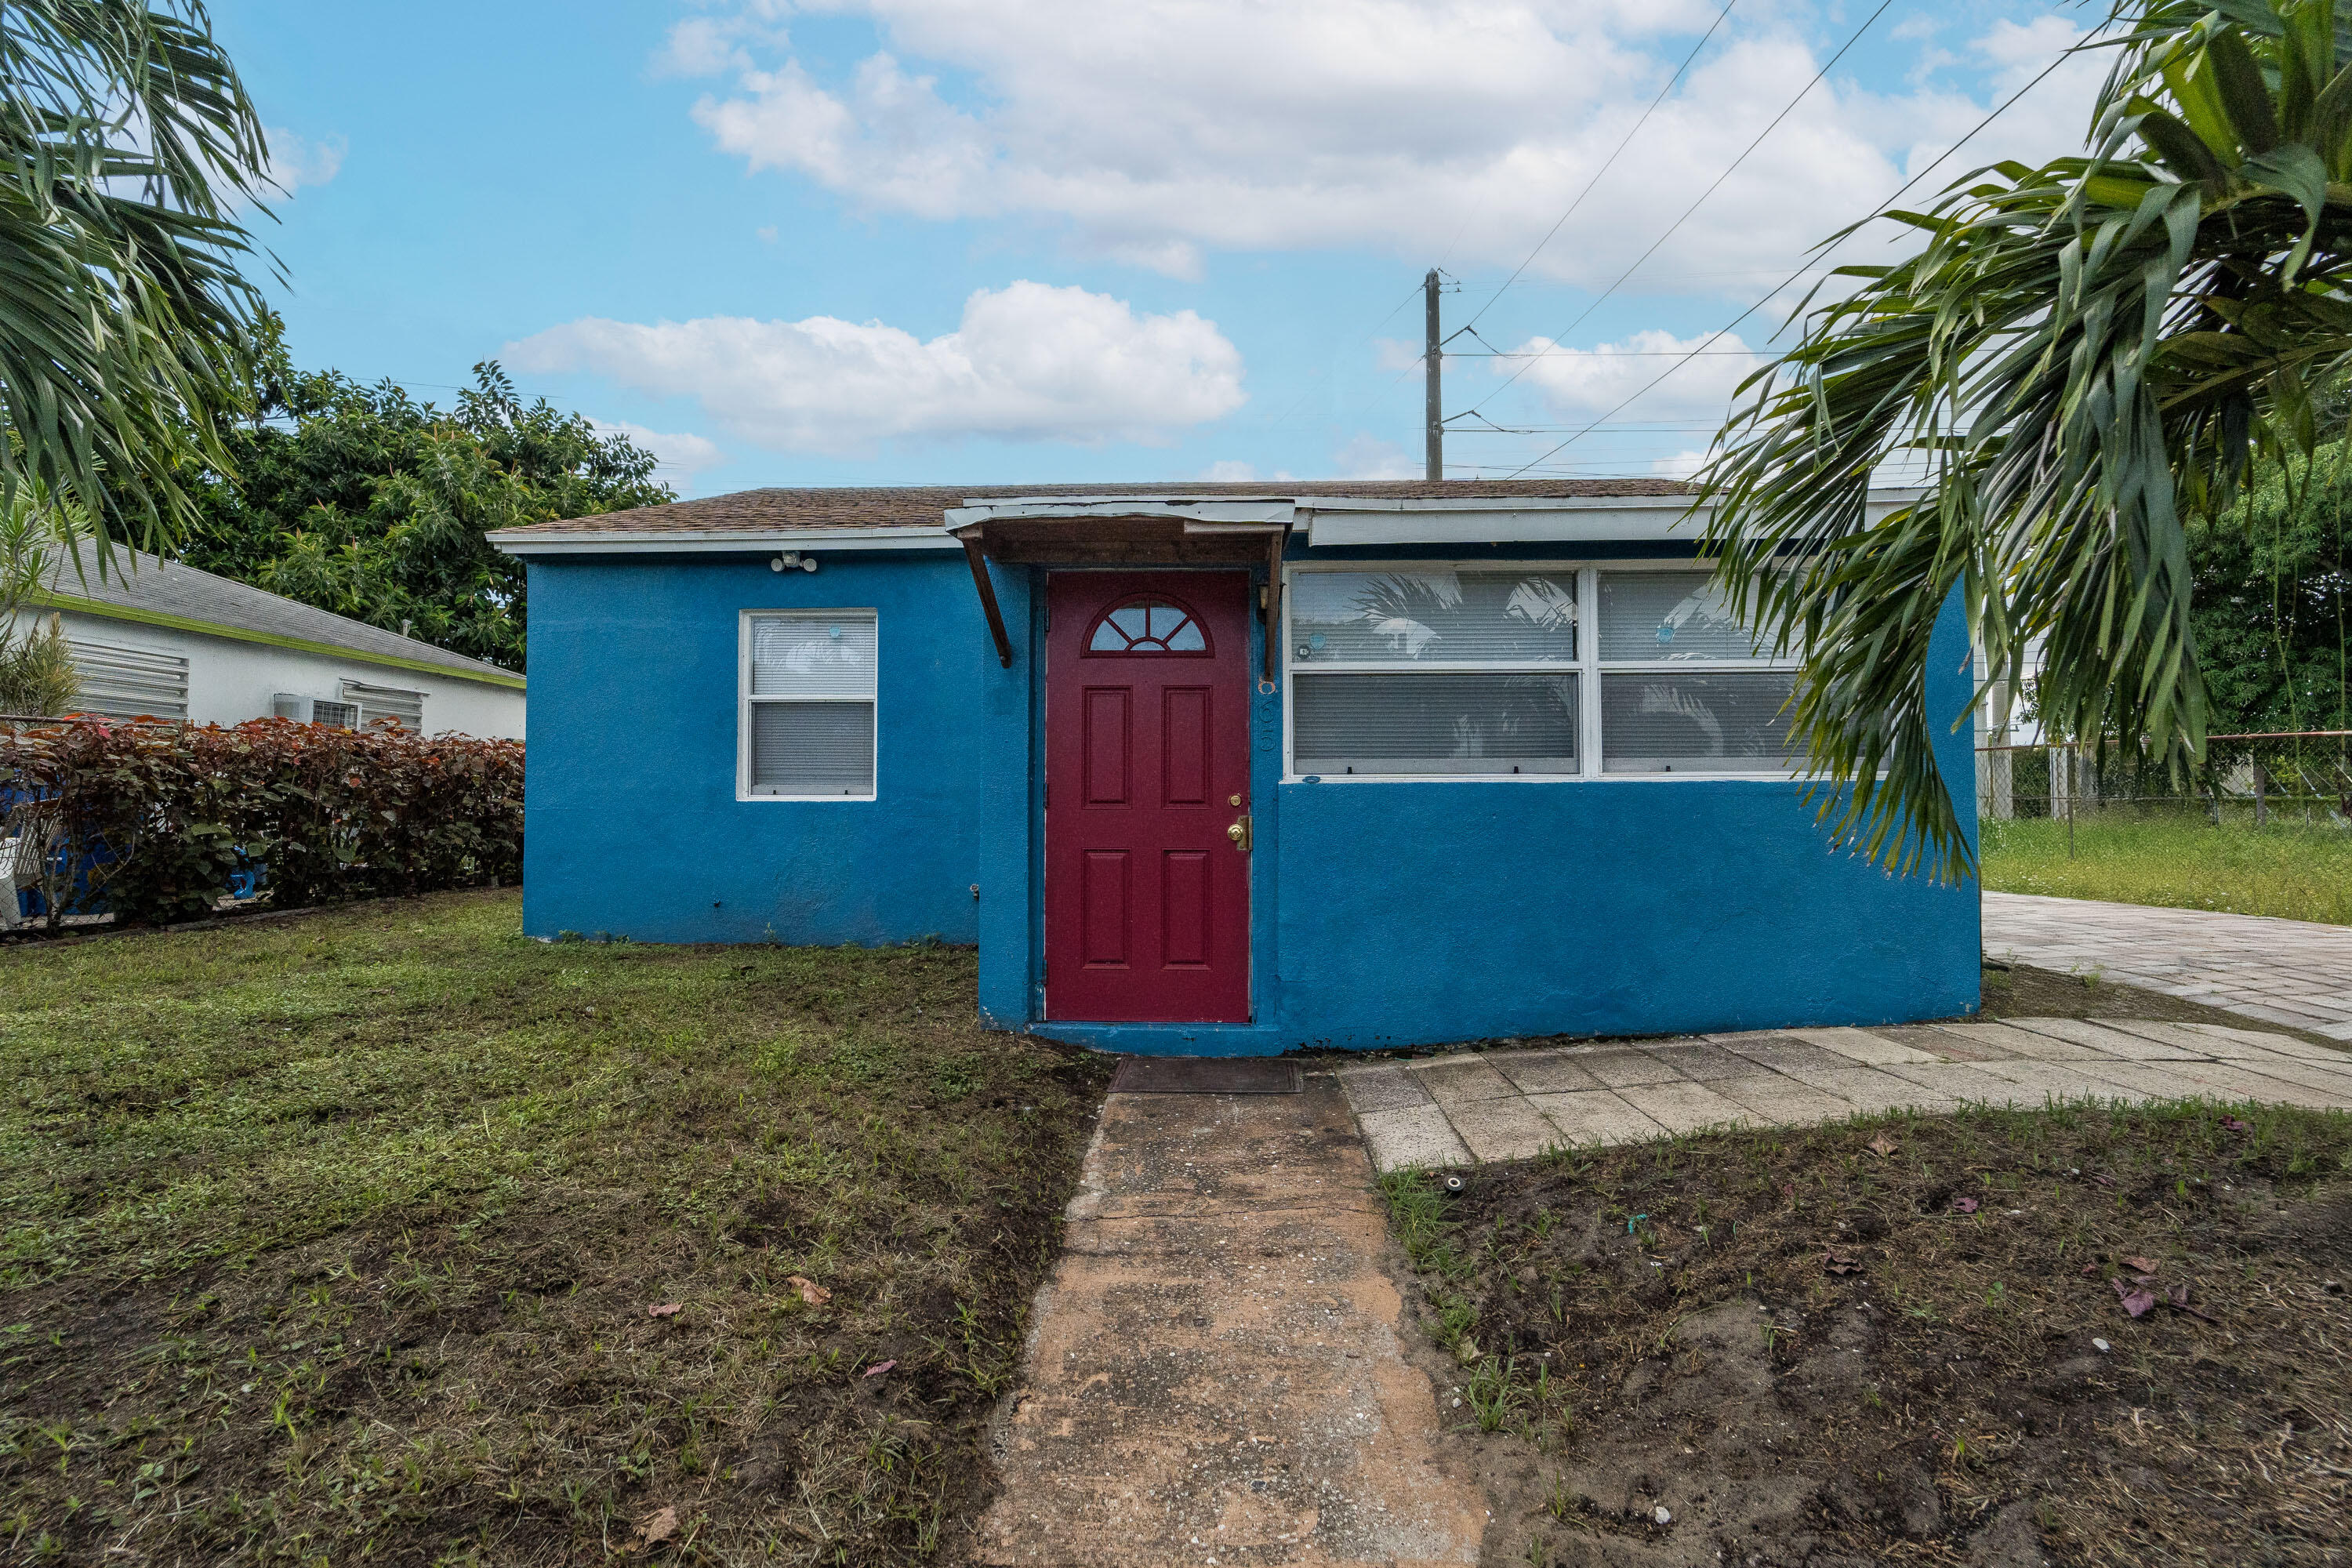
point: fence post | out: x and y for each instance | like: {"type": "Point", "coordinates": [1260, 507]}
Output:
{"type": "Point", "coordinates": [2262, 806]}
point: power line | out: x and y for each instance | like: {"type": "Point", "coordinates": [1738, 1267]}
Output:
{"type": "Point", "coordinates": [1605, 163]}
{"type": "Point", "coordinates": [2000, 109]}
{"type": "Point", "coordinates": [1827, 67]}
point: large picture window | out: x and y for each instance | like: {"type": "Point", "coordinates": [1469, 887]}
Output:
{"type": "Point", "coordinates": [1484, 672]}
{"type": "Point", "coordinates": [807, 706]}
{"type": "Point", "coordinates": [1435, 671]}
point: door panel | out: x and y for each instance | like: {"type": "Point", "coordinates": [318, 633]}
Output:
{"type": "Point", "coordinates": [1147, 753]}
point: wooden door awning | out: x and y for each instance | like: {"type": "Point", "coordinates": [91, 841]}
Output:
{"type": "Point", "coordinates": [1128, 533]}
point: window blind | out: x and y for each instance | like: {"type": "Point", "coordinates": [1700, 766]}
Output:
{"type": "Point", "coordinates": [1435, 723]}
{"type": "Point", "coordinates": [128, 682]}
{"type": "Point", "coordinates": [1433, 616]}
{"type": "Point", "coordinates": [1673, 720]}
{"type": "Point", "coordinates": [811, 703]}
{"type": "Point", "coordinates": [1652, 616]}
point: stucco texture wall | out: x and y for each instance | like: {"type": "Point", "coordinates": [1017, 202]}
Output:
{"type": "Point", "coordinates": [633, 826]}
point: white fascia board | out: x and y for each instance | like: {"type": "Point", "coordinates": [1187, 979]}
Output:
{"type": "Point", "coordinates": [1271, 512]}
{"type": "Point", "coordinates": [1575, 519]}
{"type": "Point", "coordinates": [723, 541]}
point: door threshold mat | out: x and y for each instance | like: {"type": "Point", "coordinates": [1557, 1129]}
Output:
{"type": "Point", "coordinates": [1206, 1074]}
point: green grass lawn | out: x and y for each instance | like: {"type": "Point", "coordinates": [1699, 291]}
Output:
{"type": "Point", "coordinates": [341, 1238]}
{"type": "Point", "coordinates": [2299, 872]}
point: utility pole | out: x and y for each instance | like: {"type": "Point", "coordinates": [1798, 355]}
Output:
{"type": "Point", "coordinates": [1433, 359]}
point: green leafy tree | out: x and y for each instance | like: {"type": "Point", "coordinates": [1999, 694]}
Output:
{"type": "Point", "coordinates": [41, 539]}
{"type": "Point", "coordinates": [361, 501]}
{"type": "Point", "coordinates": [2087, 356]}
{"type": "Point", "coordinates": [2272, 618]}
{"type": "Point", "coordinates": [127, 146]}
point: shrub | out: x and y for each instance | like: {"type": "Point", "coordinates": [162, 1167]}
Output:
{"type": "Point", "coordinates": [158, 817]}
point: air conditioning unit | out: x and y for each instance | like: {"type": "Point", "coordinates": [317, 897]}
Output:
{"type": "Point", "coordinates": [316, 711]}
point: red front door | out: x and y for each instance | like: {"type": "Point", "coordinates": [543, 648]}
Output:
{"type": "Point", "coordinates": [1147, 773]}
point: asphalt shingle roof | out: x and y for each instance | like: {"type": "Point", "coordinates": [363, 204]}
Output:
{"type": "Point", "coordinates": [174, 588]}
{"type": "Point", "coordinates": [792, 510]}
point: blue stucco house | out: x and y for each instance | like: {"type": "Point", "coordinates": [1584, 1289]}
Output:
{"type": "Point", "coordinates": [1504, 767]}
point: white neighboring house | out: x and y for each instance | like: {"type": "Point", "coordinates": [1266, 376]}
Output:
{"type": "Point", "coordinates": [166, 640]}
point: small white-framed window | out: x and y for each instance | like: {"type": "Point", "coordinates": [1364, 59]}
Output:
{"type": "Point", "coordinates": [1433, 670]}
{"type": "Point", "coordinates": [1684, 688]}
{"type": "Point", "coordinates": [806, 710]}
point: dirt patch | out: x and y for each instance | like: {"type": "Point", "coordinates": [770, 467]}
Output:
{"type": "Point", "coordinates": [1880, 1341]}
{"type": "Point", "coordinates": [389, 1235]}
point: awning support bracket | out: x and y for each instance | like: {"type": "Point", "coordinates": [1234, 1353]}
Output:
{"type": "Point", "coordinates": [988, 599]}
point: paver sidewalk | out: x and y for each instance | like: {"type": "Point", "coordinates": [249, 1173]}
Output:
{"type": "Point", "coordinates": [2283, 972]}
{"type": "Point", "coordinates": [1214, 1374]}
{"type": "Point", "coordinates": [1509, 1105]}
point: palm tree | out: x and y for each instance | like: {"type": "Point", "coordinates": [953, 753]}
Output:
{"type": "Point", "coordinates": [128, 147]}
{"type": "Point", "coordinates": [2082, 355]}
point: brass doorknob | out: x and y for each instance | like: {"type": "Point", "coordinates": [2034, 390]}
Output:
{"type": "Point", "coordinates": [1239, 834]}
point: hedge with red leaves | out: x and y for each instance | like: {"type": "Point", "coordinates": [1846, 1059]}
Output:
{"type": "Point", "coordinates": [157, 817]}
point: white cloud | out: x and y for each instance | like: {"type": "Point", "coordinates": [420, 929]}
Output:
{"type": "Point", "coordinates": [682, 455]}
{"type": "Point", "coordinates": [1370, 457]}
{"type": "Point", "coordinates": [1233, 471]}
{"type": "Point", "coordinates": [1680, 466]}
{"type": "Point", "coordinates": [1028, 363]}
{"type": "Point", "coordinates": [1155, 130]}
{"type": "Point", "coordinates": [297, 161]}
{"type": "Point", "coordinates": [1594, 381]}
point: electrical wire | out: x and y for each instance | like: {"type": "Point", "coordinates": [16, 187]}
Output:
{"type": "Point", "coordinates": [1827, 65]}
{"type": "Point", "coordinates": [2000, 109]}
{"type": "Point", "coordinates": [1604, 167]}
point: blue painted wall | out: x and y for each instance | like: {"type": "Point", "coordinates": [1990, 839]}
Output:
{"type": "Point", "coordinates": [631, 822]}
{"type": "Point", "coordinates": [1383, 914]}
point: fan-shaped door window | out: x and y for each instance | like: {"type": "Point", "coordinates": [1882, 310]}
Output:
{"type": "Point", "coordinates": [1148, 625]}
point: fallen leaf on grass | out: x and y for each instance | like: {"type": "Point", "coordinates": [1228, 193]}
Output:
{"type": "Point", "coordinates": [658, 1528]}
{"type": "Point", "coordinates": [814, 1294]}
{"type": "Point", "coordinates": [1883, 1145]}
{"type": "Point", "coordinates": [2232, 1124]}
{"type": "Point", "coordinates": [878, 1370]}
{"type": "Point", "coordinates": [1838, 1262]}
{"type": "Point", "coordinates": [667, 1309]}
{"type": "Point", "coordinates": [2137, 1265]}
{"type": "Point", "coordinates": [1964, 1206]}
{"type": "Point", "coordinates": [2137, 1299]}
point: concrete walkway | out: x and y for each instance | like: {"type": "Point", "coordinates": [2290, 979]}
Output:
{"type": "Point", "coordinates": [2282, 972]}
{"type": "Point", "coordinates": [1509, 1105]}
{"type": "Point", "coordinates": [1214, 1374]}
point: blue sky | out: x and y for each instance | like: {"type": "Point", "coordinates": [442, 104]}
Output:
{"type": "Point", "coordinates": [914, 241]}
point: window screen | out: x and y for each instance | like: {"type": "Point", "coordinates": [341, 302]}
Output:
{"type": "Point", "coordinates": [809, 703]}
{"type": "Point", "coordinates": [1433, 616]}
{"type": "Point", "coordinates": [376, 702]}
{"type": "Point", "coordinates": [1688, 721]}
{"type": "Point", "coordinates": [1433, 724]}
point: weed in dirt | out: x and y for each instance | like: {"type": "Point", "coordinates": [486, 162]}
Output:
{"type": "Point", "coordinates": [1842, 1361]}
{"type": "Point", "coordinates": [390, 1235]}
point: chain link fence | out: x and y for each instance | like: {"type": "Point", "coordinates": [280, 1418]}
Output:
{"type": "Point", "coordinates": [2290, 776]}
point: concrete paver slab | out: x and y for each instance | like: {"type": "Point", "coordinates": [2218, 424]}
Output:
{"type": "Point", "coordinates": [1615, 1069]}
{"type": "Point", "coordinates": [1861, 1045]}
{"type": "Point", "coordinates": [2188, 1044]}
{"type": "Point", "coordinates": [1964, 1082]}
{"type": "Point", "coordinates": [1943, 1044]}
{"type": "Point", "coordinates": [1453, 1080]}
{"type": "Point", "coordinates": [1545, 1072]}
{"type": "Point", "coordinates": [1503, 1128]}
{"type": "Point", "coordinates": [1686, 1106]}
{"type": "Point", "coordinates": [1385, 1088]}
{"type": "Point", "coordinates": [2014, 1038]}
{"type": "Point", "coordinates": [2267, 1040]}
{"type": "Point", "coordinates": [2104, 1041]}
{"type": "Point", "coordinates": [1212, 1377]}
{"type": "Point", "coordinates": [1595, 1116]}
{"type": "Point", "coordinates": [1777, 1099]}
{"type": "Point", "coordinates": [1416, 1135]}
{"type": "Point", "coordinates": [1699, 1061]}
{"type": "Point", "coordinates": [1781, 1053]}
